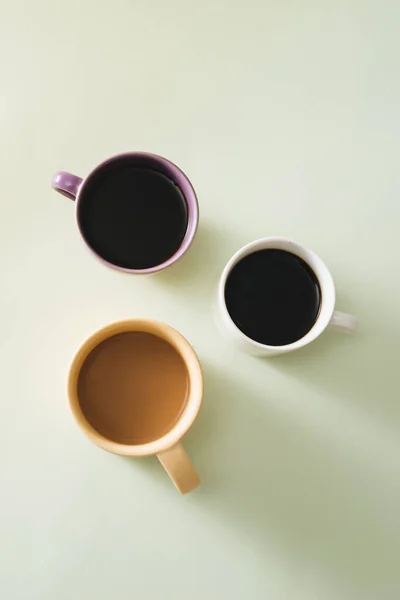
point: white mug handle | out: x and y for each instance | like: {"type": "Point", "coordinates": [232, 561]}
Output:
{"type": "Point", "coordinates": [343, 322]}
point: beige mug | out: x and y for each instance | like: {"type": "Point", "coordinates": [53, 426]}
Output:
{"type": "Point", "coordinates": [135, 387]}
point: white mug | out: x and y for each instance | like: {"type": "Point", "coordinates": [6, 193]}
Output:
{"type": "Point", "coordinates": [327, 314]}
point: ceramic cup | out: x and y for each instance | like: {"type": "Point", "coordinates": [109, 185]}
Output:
{"type": "Point", "coordinates": [75, 187]}
{"type": "Point", "coordinates": [94, 403]}
{"type": "Point", "coordinates": [327, 313]}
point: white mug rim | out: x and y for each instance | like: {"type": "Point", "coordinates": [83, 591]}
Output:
{"type": "Point", "coordinates": [325, 280]}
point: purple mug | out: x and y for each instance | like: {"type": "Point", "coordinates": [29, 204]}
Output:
{"type": "Point", "coordinates": [75, 188]}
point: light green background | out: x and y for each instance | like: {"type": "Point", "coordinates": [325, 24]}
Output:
{"type": "Point", "coordinates": [285, 115]}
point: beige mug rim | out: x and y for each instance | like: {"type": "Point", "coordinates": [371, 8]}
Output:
{"type": "Point", "coordinates": [193, 366]}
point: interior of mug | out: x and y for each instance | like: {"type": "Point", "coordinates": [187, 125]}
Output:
{"type": "Point", "coordinates": [127, 403]}
{"type": "Point", "coordinates": [326, 284]}
{"type": "Point", "coordinates": [155, 163]}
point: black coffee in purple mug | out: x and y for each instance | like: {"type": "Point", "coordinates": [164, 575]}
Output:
{"type": "Point", "coordinates": [137, 212]}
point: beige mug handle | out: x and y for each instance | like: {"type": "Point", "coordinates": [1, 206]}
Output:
{"type": "Point", "coordinates": [179, 467]}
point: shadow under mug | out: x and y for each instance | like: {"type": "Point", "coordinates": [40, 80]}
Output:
{"type": "Point", "coordinates": [327, 313]}
{"type": "Point", "coordinates": [74, 188]}
{"type": "Point", "coordinates": [167, 447]}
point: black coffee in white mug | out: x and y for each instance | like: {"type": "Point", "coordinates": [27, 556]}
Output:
{"type": "Point", "coordinates": [275, 296]}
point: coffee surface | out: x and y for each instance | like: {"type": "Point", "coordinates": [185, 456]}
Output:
{"type": "Point", "coordinates": [132, 216]}
{"type": "Point", "coordinates": [133, 387]}
{"type": "Point", "coordinates": [273, 297]}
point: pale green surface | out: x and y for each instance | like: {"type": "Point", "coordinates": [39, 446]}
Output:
{"type": "Point", "coordinates": [285, 115]}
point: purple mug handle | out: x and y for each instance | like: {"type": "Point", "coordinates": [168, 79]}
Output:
{"type": "Point", "coordinates": [66, 184]}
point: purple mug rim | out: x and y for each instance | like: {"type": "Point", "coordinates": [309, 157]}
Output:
{"type": "Point", "coordinates": [184, 185]}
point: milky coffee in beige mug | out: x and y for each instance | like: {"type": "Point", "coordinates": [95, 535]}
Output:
{"type": "Point", "coordinates": [135, 387]}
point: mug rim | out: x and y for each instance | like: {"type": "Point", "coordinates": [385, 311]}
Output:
{"type": "Point", "coordinates": [188, 193]}
{"type": "Point", "coordinates": [321, 271]}
{"type": "Point", "coordinates": [196, 385]}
